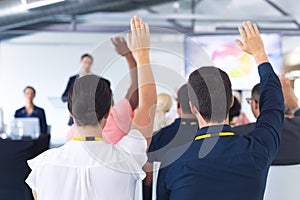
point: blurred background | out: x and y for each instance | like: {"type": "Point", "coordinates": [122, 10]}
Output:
{"type": "Point", "coordinates": [41, 42]}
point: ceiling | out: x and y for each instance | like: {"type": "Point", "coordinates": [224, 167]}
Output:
{"type": "Point", "coordinates": [188, 16]}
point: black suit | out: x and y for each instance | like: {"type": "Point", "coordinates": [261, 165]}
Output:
{"type": "Point", "coordinates": [289, 149]}
{"type": "Point", "coordinates": [64, 97]}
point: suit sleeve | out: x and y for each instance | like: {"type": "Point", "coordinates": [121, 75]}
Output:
{"type": "Point", "coordinates": [269, 123]}
{"type": "Point", "coordinates": [64, 96]}
{"type": "Point", "coordinates": [44, 125]}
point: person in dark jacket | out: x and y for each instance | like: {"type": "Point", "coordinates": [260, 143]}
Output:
{"type": "Point", "coordinates": [31, 110]}
{"type": "Point", "coordinates": [289, 149]}
{"type": "Point", "coordinates": [86, 62]}
{"type": "Point", "coordinates": [218, 163]}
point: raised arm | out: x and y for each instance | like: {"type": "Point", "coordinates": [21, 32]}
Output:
{"type": "Point", "coordinates": [122, 49]}
{"type": "Point", "coordinates": [290, 99]}
{"type": "Point", "coordinates": [269, 123]}
{"type": "Point", "coordinates": [140, 47]}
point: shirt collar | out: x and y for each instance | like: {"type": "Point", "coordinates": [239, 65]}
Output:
{"type": "Point", "coordinates": [214, 129]}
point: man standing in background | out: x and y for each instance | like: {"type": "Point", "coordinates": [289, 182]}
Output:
{"type": "Point", "coordinates": [86, 62]}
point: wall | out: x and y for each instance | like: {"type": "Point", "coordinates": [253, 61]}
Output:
{"type": "Point", "coordinates": [46, 60]}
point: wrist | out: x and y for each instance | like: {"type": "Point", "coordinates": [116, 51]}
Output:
{"type": "Point", "coordinates": [142, 59]}
{"type": "Point", "coordinates": [260, 57]}
{"type": "Point", "coordinates": [128, 54]}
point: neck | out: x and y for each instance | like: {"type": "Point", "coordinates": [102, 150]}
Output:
{"type": "Point", "coordinates": [29, 105]}
{"type": "Point", "coordinates": [187, 116]}
{"type": "Point", "coordinates": [203, 123]}
{"type": "Point", "coordinates": [88, 131]}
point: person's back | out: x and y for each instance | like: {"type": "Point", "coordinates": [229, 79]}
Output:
{"type": "Point", "coordinates": [90, 170]}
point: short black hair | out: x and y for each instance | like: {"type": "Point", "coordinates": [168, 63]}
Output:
{"type": "Point", "coordinates": [89, 100]}
{"type": "Point", "coordinates": [88, 56]}
{"type": "Point", "coordinates": [29, 87]}
{"type": "Point", "coordinates": [183, 99]}
{"type": "Point", "coordinates": [255, 93]}
{"type": "Point", "coordinates": [235, 110]}
{"type": "Point", "coordinates": [210, 92]}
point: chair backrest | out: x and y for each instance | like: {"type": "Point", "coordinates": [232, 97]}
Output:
{"type": "Point", "coordinates": [156, 166]}
{"type": "Point", "coordinates": [283, 183]}
{"type": "Point", "coordinates": [139, 190]}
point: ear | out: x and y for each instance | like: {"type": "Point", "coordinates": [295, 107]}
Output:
{"type": "Point", "coordinates": [232, 101]}
{"type": "Point", "coordinates": [256, 105]}
{"type": "Point", "coordinates": [193, 108]}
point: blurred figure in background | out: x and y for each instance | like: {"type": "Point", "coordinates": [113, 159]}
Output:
{"type": "Point", "coordinates": [86, 62]}
{"type": "Point", "coordinates": [31, 110]}
{"type": "Point", "coordinates": [236, 116]}
{"type": "Point", "coordinates": [164, 104]}
{"type": "Point", "coordinates": [1, 121]}
{"type": "Point", "coordinates": [289, 149]}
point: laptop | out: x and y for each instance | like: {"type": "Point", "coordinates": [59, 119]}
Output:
{"type": "Point", "coordinates": [24, 127]}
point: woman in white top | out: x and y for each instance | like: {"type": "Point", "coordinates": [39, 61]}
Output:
{"type": "Point", "coordinates": [87, 167]}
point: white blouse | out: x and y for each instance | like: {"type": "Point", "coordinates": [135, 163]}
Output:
{"type": "Point", "coordinates": [88, 170]}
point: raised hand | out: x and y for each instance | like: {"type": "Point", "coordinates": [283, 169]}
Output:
{"type": "Point", "coordinates": [289, 96]}
{"type": "Point", "coordinates": [120, 45]}
{"type": "Point", "coordinates": [251, 42]}
{"type": "Point", "coordinates": [139, 44]}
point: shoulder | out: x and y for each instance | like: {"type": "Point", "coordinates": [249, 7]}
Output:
{"type": "Point", "coordinates": [39, 109]}
{"type": "Point", "coordinates": [73, 77]}
{"type": "Point", "coordinates": [170, 127]}
{"type": "Point", "coordinates": [244, 129]}
{"type": "Point", "coordinates": [20, 109]}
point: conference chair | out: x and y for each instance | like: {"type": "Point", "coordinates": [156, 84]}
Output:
{"type": "Point", "coordinates": [283, 183]}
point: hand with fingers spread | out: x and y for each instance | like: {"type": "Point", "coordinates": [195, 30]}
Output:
{"type": "Point", "coordinates": [120, 45]}
{"type": "Point", "coordinates": [251, 42]}
{"type": "Point", "coordinates": [139, 44]}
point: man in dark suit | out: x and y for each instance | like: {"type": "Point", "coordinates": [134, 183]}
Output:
{"type": "Point", "coordinates": [31, 110]}
{"type": "Point", "coordinates": [86, 62]}
{"type": "Point", "coordinates": [289, 149]}
{"type": "Point", "coordinates": [219, 164]}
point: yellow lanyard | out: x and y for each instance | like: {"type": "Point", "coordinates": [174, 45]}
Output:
{"type": "Point", "coordinates": [87, 138]}
{"type": "Point", "coordinates": [209, 135]}
{"type": "Point", "coordinates": [191, 123]}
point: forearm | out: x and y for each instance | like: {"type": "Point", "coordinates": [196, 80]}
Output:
{"type": "Point", "coordinates": [271, 115]}
{"type": "Point", "coordinates": [146, 83]}
{"type": "Point", "coordinates": [132, 93]}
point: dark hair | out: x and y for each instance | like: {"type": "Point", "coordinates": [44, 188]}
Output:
{"type": "Point", "coordinates": [255, 93]}
{"type": "Point", "coordinates": [29, 87]}
{"type": "Point", "coordinates": [88, 56]}
{"type": "Point", "coordinates": [210, 92]}
{"type": "Point", "coordinates": [235, 110]}
{"type": "Point", "coordinates": [183, 99]}
{"type": "Point", "coordinates": [89, 100]}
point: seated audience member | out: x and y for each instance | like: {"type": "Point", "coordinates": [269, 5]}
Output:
{"type": "Point", "coordinates": [220, 164]}
{"type": "Point", "coordinates": [289, 148]}
{"type": "Point", "coordinates": [236, 116]}
{"type": "Point", "coordinates": [119, 120]}
{"type": "Point", "coordinates": [1, 121]}
{"type": "Point", "coordinates": [31, 110]}
{"type": "Point", "coordinates": [87, 167]}
{"type": "Point", "coordinates": [180, 132]}
{"type": "Point", "coordinates": [164, 104]}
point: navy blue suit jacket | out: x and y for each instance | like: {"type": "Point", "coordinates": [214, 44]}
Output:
{"type": "Point", "coordinates": [37, 112]}
{"type": "Point", "coordinates": [231, 167]}
{"type": "Point", "coordinates": [64, 96]}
